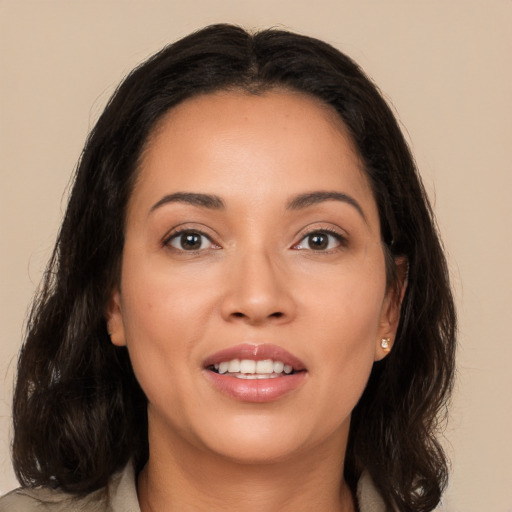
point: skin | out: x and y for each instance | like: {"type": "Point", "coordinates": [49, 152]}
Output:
{"type": "Point", "coordinates": [256, 278]}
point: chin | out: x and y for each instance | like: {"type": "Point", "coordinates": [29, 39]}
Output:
{"type": "Point", "coordinates": [268, 440]}
{"type": "Point", "coordinates": [257, 450]}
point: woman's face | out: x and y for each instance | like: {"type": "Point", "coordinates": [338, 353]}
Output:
{"type": "Point", "coordinates": [253, 290]}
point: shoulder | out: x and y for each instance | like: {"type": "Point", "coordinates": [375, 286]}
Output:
{"type": "Point", "coordinates": [119, 495]}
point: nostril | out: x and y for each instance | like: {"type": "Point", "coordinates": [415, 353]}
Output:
{"type": "Point", "coordinates": [277, 314]}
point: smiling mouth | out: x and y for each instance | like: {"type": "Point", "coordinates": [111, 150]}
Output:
{"type": "Point", "coordinates": [253, 369]}
{"type": "Point", "coordinates": [255, 373]}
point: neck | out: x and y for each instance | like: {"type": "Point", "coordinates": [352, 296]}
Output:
{"type": "Point", "coordinates": [181, 476]}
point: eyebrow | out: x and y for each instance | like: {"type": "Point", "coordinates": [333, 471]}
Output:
{"type": "Point", "coordinates": [203, 200]}
{"type": "Point", "coordinates": [312, 198]}
{"type": "Point", "coordinates": [299, 202]}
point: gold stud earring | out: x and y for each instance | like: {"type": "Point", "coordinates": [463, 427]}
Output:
{"type": "Point", "coordinates": [385, 344]}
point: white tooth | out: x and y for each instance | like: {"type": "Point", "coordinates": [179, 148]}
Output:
{"type": "Point", "coordinates": [223, 367]}
{"type": "Point", "coordinates": [265, 375]}
{"type": "Point", "coordinates": [265, 366]}
{"type": "Point", "coordinates": [234, 366]}
{"type": "Point", "coordinates": [216, 366]}
{"type": "Point", "coordinates": [247, 366]}
{"type": "Point", "coordinates": [278, 366]}
{"type": "Point", "coordinates": [287, 368]}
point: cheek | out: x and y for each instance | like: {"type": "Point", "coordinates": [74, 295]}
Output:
{"type": "Point", "coordinates": [165, 312]}
{"type": "Point", "coordinates": [349, 300]}
{"type": "Point", "coordinates": [345, 356]}
{"type": "Point", "coordinates": [158, 330]}
{"type": "Point", "coordinates": [346, 340]}
{"type": "Point", "coordinates": [347, 318]}
{"type": "Point", "coordinates": [159, 300]}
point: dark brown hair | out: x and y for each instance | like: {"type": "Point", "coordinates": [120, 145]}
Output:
{"type": "Point", "coordinates": [79, 413]}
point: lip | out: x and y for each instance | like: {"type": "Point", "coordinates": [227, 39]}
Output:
{"type": "Point", "coordinates": [257, 390]}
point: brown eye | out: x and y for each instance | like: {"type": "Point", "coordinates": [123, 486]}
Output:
{"type": "Point", "coordinates": [190, 241]}
{"type": "Point", "coordinates": [320, 241]}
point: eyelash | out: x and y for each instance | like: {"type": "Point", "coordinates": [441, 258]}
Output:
{"type": "Point", "coordinates": [176, 235]}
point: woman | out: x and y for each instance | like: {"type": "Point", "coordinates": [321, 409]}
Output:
{"type": "Point", "coordinates": [248, 304]}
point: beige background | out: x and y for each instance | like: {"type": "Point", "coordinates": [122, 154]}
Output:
{"type": "Point", "coordinates": [444, 63]}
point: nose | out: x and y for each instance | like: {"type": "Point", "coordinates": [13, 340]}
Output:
{"type": "Point", "coordinates": [258, 291]}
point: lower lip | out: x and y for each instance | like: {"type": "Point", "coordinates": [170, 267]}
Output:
{"type": "Point", "coordinates": [256, 390]}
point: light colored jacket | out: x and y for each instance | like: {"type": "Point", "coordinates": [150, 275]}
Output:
{"type": "Point", "coordinates": [120, 495]}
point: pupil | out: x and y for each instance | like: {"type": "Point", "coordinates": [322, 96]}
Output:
{"type": "Point", "coordinates": [191, 241]}
{"type": "Point", "coordinates": [318, 241]}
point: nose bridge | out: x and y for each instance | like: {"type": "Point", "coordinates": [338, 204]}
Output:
{"type": "Point", "coordinates": [258, 291]}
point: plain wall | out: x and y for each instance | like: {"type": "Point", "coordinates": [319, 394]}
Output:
{"type": "Point", "coordinates": [444, 65]}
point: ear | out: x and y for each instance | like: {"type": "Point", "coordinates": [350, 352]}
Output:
{"type": "Point", "coordinates": [390, 312]}
{"type": "Point", "coordinates": [114, 317]}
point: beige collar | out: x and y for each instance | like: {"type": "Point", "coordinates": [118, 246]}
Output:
{"type": "Point", "coordinates": [368, 497]}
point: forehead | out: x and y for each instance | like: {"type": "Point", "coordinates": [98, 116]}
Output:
{"type": "Point", "coordinates": [218, 113]}
{"type": "Point", "coordinates": [278, 142]}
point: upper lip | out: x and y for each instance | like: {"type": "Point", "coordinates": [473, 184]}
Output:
{"type": "Point", "coordinates": [256, 352]}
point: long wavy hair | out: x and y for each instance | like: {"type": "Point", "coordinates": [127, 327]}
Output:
{"type": "Point", "coordinates": [79, 414]}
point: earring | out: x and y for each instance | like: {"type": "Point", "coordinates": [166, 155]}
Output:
{"type": "Point", "coordinates": [384, 343]}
